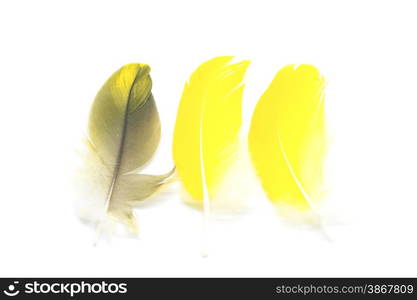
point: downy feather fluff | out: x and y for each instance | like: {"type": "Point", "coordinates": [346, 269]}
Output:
{"type": "Point", "coordinates": [123, 134]}
{"type": "Point", "coordinates": [207, 127]}
{"type": "Point", "coordinates": [287, 139]}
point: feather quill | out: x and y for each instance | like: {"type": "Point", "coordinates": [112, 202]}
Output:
{"type": "Point", "coordinates": [287, 139]}
{"type": "Point", "coordinates": [207, 128]}
{"type": "Point", "coordinates": [123, 134]}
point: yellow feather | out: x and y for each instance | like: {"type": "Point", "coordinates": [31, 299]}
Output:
{"type": "Point", "coordinates": [207, 126]}
{"type": "Point", "coordinates": [287, 139]}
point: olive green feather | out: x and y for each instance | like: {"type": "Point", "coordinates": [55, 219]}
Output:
{"type": "Point", "coordinates": [123, 133]}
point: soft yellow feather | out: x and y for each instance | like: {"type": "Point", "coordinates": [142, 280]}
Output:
{"type": "Point", "coordinates": [287, 139]}
{"type": "Point", "coordinates": [207, 127]}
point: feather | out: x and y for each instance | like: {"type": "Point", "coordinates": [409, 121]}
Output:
{"type": "Point", "coordinates": [123, 134]}
{"type": "Point", "coordinates": [287, 139]}
{"type": "Point", "coordinates": [207, 128]}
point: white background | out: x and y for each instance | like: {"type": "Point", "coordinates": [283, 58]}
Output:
{"type": "Point", "coordinates": [55, 55]}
